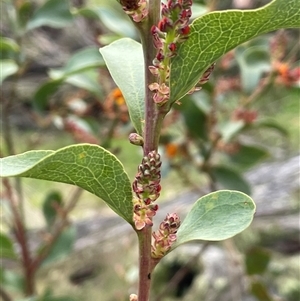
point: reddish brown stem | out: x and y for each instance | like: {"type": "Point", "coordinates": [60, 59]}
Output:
{"type": "Point", "coordinates": [153, 122]}
{"type": "Point", "coordinates": [21, 237]}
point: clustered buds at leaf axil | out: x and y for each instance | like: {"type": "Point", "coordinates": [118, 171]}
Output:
{"type": "Point", "coordinates": [137, 9]}
{"type": "Point", "coordinates": [165, 236]}
{"type": "Point", "coordinates": [146, 187]}
{"type": "Point", "coordinates": [172, 29]}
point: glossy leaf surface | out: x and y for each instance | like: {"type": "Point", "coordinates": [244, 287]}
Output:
{"type": "Point", "coordinates": [214, 34]}
{"type": "Point", "coordinates": [216, 216]}
{"type": "Point", "coordinates": [88, 166]}
{"type": "Point", "coordinates": [124, 60]}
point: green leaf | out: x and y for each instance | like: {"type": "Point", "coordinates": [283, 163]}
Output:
{"type": "Point", "coordinates": [82, 60]}
{"type": "Point", "coordinates": [88, 166]}
{"type": "Point", "coordinates": [216, 216]}
{"type": "Point", "coordinates": [8, 45]}
{"type": "Point", "coordinates": [257, 260]}
{"type": "Point", "coordinates": [230, 179]}
{"type": "Point", "coordinates": [6, 247]}
{"type": "Point", "coordinates": [194, 117]}
{"type": "Point", "coordinates": [54, 13]}
{"type": "Point", "coordinates": [8, 68]}
{"type": "Point", "coordinates": [42, 94]}
{"type": "Point", "coordinates": [248, 156]}
{"type": "Point", "coordinates": [63, 246]}
{"type": "Point", "coordinates": [124, 60]}
{"type": "Point", "coordinates": [214, 34]}
{"type": "Point", "coordinates": [50, 204]}
{"type": "Point", "coordinates": [88, 80]}
{"type": "Point", "coordinates": [123, 26]}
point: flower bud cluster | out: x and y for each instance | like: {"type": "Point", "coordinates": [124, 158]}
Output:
{"type": "Point", "coordinates": [165, 236]}
{"type": "Point", "coordinates": [147, 189]}
{"type": "Point", "coordinates": [171, 30]}
{"type": "Point", "coordinates": [137, 9]}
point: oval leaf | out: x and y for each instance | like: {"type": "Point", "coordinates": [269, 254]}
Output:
{"type": "Point", "coordinates": [82, 60]}
{"type": "Point", "coordinates": [230, 179]}
{"type": "Point", "coordinates": [54, 13]}
{"type": "Point", "coordinates": [51, 204]}
{"type": "Point", "coordinates": [248, 156]}
{"type": "Point", "coordinates": [88, 166]}
{"type": "Point", "coordinates": [214, 34]}
{"type": "Point", "coordinates": [216, 216]}
{"type": "Point", "coordinates": [42, 94]}
{"type": "Point", "coordinates": [124, 60]}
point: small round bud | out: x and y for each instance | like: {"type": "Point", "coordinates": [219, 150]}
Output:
{"type": "Point", "coordinates": [136, 139]}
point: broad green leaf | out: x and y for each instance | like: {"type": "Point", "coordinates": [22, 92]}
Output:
{"type": "Point", "coordinates": [42, 94]}
{"type": "Point", "coordinates": [216, 216]}
{"type": "Point", "coordinates": [8, 68]}
{"type": "Point", "coordinates": [54, 13]}
{"type": "Point", "coordinates": [51, 203]}
{"type": "Point", "coordinates": [230, 179]}
{"type": "Point", "coordinates": [194, 117]}
{"type": "Point", "coordinates": [214, 34]}
{"type": "Point", "coordinates": [82, 60]}
{"type": "Point", "coordinates": [63, 246]}
{"type": "Point", "coordinates": [88, 80]}
{"type": "Point", "coordinates": [248, 156]}
{"type": "Point", "coordinates": [88, 166]}
{"type": "Point", "coordinates": [124, 60]}
{"type": "Point", "coordinates": [123, 26]}
{"type": "Point", "coordinates": [6, 247]}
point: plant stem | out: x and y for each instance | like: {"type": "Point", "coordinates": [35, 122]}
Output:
{"type": "Point", "coordinates": [153, 122]}
{"type": "Point", "coordinates": [153, 115]}
{"type": "Point", "coordinates": [21, 237]}
{"type": "Point", "coordinates": [145, 266]}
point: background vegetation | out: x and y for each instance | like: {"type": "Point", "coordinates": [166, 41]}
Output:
{"type": "Point", "coordinates": [56, 91]}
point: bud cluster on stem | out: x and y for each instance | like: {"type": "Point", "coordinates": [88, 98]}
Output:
{"type": "Point", "coordinates": [165, 236]}
{"type": "Point", "coordinates": [146, 187]}
{"type": "Point", "coordinates": [136, 9]}
{"type": "Point", "coordinates": [172, 29]}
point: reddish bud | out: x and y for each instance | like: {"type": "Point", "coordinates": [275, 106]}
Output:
{"type": "Point", "coordinates": [172, 47]}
